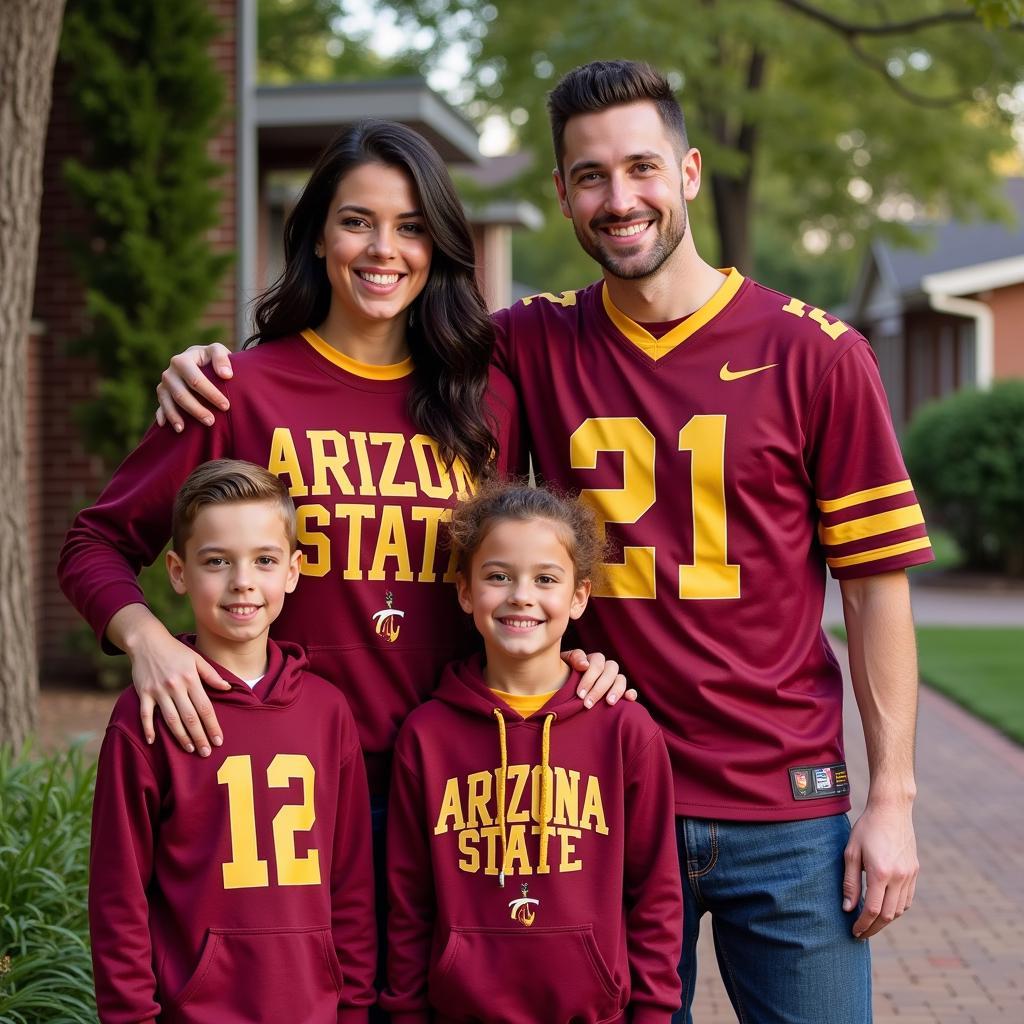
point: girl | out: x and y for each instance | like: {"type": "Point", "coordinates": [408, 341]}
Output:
{"type": "Point", "coordinates": [532, 867]}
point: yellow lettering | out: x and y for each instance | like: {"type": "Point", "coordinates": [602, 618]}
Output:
{"type": "Point", "coordinates": [478, 793]}
{"type": "Point", "coordinates": [430, 516]}
{"type": "Point", "coordinates": [518, 857]}
{"type": "Point", "coordinates": [592, 815]}
{"type": "Point", "coordinates": [517, 775]}
{"type": "Point", "coordinates": [292, 818]}
{"type": "Point", "coordinates": [470, 859]}
{"type": "Point", "coordinates": [318, 563]}
{"type": "Point", "coordinates": [284, 462]}
{"type": "Point", "coordinates": [441, 487]}
{"type": "Point", "coordinates": [543, 867]}
{"type": "Point", "coordinates": [389, 488]}
{"type": "Point", "coordinates": [324, 464]}
{"type": "Point", "coordinates": [565, 299]}
{"type": "Point", "coordinates": [451, 807]}
{"type": "Point", "coordinates": [366, 486]}
{"type": "Point", "coordinates": [490, 836]}
{"type": "Point", "coordinates": [355, 514]}
{"type": "Point", "coordinates": [391, 543]}
{"type": "Point", "coordinates": [568, 850]}
{"type": "Point", "coordinates": [567, 797]}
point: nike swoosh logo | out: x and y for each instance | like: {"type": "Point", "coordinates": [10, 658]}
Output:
{"type": "Point", "coordinates": [726, 374]}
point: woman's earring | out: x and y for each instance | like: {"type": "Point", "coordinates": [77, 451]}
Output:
{"type": "Point", "coordinates": [318, 252]}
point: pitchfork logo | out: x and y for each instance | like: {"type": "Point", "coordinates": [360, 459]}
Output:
{"type": "Point", "coordinates": [387, 619]}
{"type": "Point", "coordinates": [522, 909]}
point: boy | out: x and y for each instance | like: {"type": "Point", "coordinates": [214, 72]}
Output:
{"type": "Point", "coordinates": [236, 888]}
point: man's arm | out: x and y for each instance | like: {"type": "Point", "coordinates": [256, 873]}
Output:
{"type": "Point", "coordinates": [883, 665]}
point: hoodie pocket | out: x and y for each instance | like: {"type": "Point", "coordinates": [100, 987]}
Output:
{"type": "Point", "coordinates": [521, 976]}
{"type": "Point", "coordinates": [256, 974]}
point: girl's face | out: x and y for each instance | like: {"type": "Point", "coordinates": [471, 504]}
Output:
{"type": "Point", "coordinates": [375, 245]}
{"type": "Point", "coordinates": [521, 591]}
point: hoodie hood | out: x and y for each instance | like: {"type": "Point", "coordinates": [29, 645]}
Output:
{"type": "Point", "coordinates": [279, 686]}
{"type": "Point", "coordinates": [463, 686]}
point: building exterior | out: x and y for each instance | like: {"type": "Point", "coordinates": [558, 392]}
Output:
{"type": "Point", "coordinates": [275, 129]}
{"type": "Point", "coordinates": [947, 315]}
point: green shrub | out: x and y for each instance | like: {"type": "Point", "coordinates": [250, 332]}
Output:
{"type": "Point", "coordinates": [45, 965]}
{"type": "Point", "coordinates": [966, 456]}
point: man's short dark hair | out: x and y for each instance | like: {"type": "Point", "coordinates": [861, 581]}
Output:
{"type": "Point", "coordinates": [601, 84]}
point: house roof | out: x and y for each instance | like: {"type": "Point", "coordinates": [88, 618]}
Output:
{"type": "Point", "coordinates": [295, 122]}
{"type": "Point", "coordinates": [962, 257]}
{"type": "Point", "coordinates": [954, 244]}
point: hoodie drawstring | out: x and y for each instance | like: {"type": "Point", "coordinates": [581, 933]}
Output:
{"type": "Point", "coordinates": [545, 789]}
{"type": "Point", "coordinates": [501, 793]}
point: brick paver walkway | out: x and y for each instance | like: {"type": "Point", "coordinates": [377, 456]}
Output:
{"type": "Point", "coordinates": [958, 956]}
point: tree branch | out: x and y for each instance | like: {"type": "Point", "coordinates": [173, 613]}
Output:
{"type": "Point", "coordinates": [919, 99]}
{"type": "Point", "coordinates": [851, 30]}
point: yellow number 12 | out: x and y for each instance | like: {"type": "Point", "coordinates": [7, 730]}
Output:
{"type": "Point", "coordinates": [246, 870]}
{"type": "Point", "coordinates": [710, 576]}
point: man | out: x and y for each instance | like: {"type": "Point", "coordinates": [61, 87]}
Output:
{"type": "Point", "coordinates": [732, 439]}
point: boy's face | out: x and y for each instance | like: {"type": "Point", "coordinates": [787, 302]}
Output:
{"type": "Point", "coordinates": [236, 570]}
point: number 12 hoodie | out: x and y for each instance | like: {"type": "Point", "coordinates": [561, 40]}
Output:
{"type": "Point", "coordinates": [236, 888]}
{"type": "Point", "coordinates": [532, 865]}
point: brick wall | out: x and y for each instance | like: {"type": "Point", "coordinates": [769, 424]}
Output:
{"type": "Point", "coordinates": [63, 477]}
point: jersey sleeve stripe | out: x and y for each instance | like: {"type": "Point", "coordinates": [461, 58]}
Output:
{"type": "Point", "coordinates": [859, 497]}
{"type": "Point", "coordinates": [874, 555]}
{"type": "Point", "coordinates": [871, 526]}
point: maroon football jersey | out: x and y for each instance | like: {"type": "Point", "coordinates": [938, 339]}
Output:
{"type": "Point", "coordinates": [375, 608]}
{"type": "Point", "coordinates": [728, 459]}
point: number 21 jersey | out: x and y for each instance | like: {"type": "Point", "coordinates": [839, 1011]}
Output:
{"type": "Point", "coordinates": [727, 460]}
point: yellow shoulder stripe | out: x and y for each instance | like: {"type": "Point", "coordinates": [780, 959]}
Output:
{"type": "Point", "coordinates": [871, 494]}
{"type": "Point", "coordinates": [658, 347]}
{"type": "Point", "coordinates": [871, 526]}
{"type": "Point", "coordinates": [371, 371]}
{"type": "Point", "coordinates": [917, 544]}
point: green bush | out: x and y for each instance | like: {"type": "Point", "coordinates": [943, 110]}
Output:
{"type": "Point", "coordinates": [45, 965]}
{"type": "Point", "coordinates": [966, 456]}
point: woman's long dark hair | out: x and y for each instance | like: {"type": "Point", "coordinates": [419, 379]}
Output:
{"type": "Point", "coordinates": [450, 336]}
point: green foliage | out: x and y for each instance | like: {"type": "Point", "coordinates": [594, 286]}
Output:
{"type": "Point", "coordinates": [978, 667]}
{"type": "Point", "coordinates": [45, 810]}
{"type": "Point", "coordinates": [311, 41]}
{"type": "Point", "coordinates": [149, 99]}
{"type": "Point", "coordinates": [837, 127]}
{"type": "Point", "coordinates": [966, 456]}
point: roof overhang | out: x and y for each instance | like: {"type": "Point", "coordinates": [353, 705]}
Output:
{"type": "Point", "coordinates": [511, 213]}
{"type": "Point", "coordinates": [981, 277]}
{"type": "Point", "coordinates": [295, 122]}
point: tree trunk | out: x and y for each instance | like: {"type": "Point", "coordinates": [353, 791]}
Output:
{"type": "Point", "coordinates": [28, 50]}
{"type": "Point", "coordinates": [732, 221]}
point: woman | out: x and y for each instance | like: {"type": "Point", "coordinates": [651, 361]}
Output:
{"type": "Point", "coordinates": [366, 385]}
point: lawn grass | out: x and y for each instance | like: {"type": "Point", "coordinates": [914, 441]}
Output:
{"type": "Point", "coordinates": [981, 668]}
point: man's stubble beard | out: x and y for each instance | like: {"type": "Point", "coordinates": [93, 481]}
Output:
{"type": "Point", "coordinates": [664, 245]}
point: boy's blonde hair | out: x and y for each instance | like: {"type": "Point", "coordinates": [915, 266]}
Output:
{"type": "Point", "coordinates": [500, 500]}
{"type": "Point", "coordinates": [227, 482]}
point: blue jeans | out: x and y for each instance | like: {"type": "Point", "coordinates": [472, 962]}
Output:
{"type": "Point", "coordinates": [784, 945]}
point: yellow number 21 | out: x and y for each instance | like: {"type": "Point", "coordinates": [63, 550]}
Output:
{"type": "Point", "coordinates": [246, 870]}
{"type": "Point", "coordinates": [709, 576]}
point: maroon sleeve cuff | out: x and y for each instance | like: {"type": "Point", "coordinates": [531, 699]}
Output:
{"type": "Point", "coordinates": [353, 1015]}
{"type": "Point", "coordinates": [649, 1015]}
{"type": "Point", "coordinates": [105, 604]}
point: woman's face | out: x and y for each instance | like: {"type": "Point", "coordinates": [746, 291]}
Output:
{"type": "Point", "coordinates": [375, 245]}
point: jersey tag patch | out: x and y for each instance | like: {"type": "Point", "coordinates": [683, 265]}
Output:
{"type": "Point", "coordinates": [816, 782]}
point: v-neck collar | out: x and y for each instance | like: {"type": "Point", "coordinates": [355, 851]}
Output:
{"type": "Point", "coordinates": [658, 348]}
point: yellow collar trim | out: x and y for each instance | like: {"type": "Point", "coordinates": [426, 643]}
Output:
{"type": "Point", "coordinates": [524, 704]}
{"type": "Point", "coordinates": [658, 347]}
{"type": "Point", "coordinates": [390, 371]}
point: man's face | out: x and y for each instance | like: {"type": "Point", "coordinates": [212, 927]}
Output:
{"type": "Point", "coordinates": [625, 186]}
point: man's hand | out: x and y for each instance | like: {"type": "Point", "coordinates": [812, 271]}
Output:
{"type": "Point", "coordinates": [601, 678]}
{"type": "Point", "coordinates": [883, 847]}
{"type": "Point", "coordinates": [182, 378]}
{"type": "Point", "coordinates": [168, 675]}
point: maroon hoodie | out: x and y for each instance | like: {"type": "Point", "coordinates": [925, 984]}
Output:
{"type": "Point", "coordinates": [236, 888]}
{"type": "Point", "coordinates": [500, 913]}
